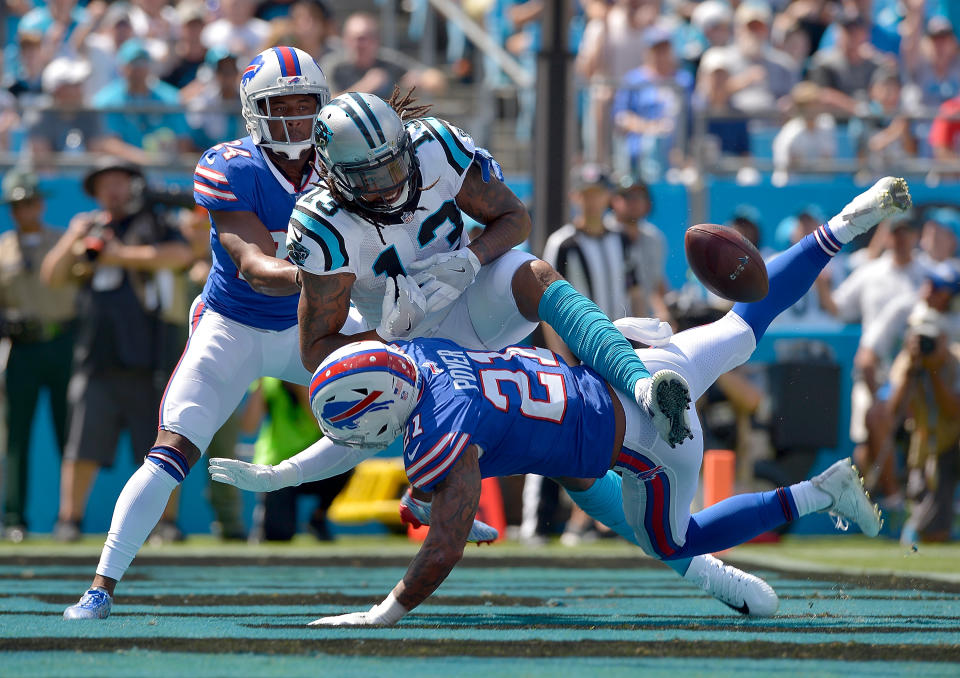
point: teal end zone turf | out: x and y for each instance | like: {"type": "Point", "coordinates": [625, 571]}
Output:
{"type": "Point", "coordinates": [239, 616]}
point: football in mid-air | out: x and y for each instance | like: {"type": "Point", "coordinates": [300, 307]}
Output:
{"type": "Point", "coordinates": [726, 262]}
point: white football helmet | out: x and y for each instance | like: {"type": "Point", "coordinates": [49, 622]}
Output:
{"type": "Point", "coordinates": [363, 393]}
{"type": "Point", "coordinates": [366, 150]}
{"type": "Point", "coordinates": [275, 72]}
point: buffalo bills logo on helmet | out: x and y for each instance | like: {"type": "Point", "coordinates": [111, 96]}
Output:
{"type": "Point", "coordinates": [344, 414]}
{"type": "Point", "coordinates": [251, 70]}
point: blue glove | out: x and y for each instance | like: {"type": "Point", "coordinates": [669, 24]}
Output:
{"type": "Point", "coordinates": [486, 162]}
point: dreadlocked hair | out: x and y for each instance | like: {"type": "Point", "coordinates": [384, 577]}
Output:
{"type": "Point", "coordinates": [403, 104]}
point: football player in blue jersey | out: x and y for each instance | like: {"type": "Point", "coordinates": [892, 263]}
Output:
{"type": "Point", "coordinates": [467, 414]}
{"type": "Point", "coordinates": [383, 233]}
{"type": "Point", "coordinates": [243, 326]}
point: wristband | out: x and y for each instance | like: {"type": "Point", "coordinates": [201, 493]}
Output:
{"type": "Point", "coordinates": [389, 611]}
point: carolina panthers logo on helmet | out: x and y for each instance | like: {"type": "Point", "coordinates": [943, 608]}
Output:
{"type": "Point", "coordinates": [322, 132]}
{"type": "Point", "coordinates": [296, 252]}
{"type": "Point", "coordinates": [251, 70]}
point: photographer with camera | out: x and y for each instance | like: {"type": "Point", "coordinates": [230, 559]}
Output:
{"type": "Point", "coordinates": [122, 256]}
{"type": "Point", "coordinates": [925, 381]}
{"type": "Point", "coordinates": [36, 322]}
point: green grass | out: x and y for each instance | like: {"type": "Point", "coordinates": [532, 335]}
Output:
{"type": "Point", "coordinates": [847, 554]}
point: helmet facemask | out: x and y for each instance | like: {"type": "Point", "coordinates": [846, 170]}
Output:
{"type": "Point", "coordinates": [384, 183]}
{"type": "Point", "coordinates": [261, 116]}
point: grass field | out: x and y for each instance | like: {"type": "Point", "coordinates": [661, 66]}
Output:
{"type": "Point", "coordinates": [849, 606]}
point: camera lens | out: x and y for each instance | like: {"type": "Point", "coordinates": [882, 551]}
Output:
{"type": "Point", "coordinates": [927, 345]}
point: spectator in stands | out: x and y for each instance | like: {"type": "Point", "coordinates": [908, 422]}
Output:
{"type": "Point", "coordinates": [25, 65]}
{"type": "Point", "coordinates": [238, 30]}
{"type": "Point", "coordinates": [651, 109]}
{"type": "Point", "coordinates": [884, 136]}
{"type": "Point", "coordinates": [945, 131]}
{"type": "Point", "coordinates": [759, 74]}
{"type": "Point", "coordinates": [213, 112]}
{"type": "Point", "coordinates": [646, 247]}
{"type": "Point", "coordinates": [288, 426]}
{"type": "Point", "coordinates": [188, 52]}
{"type": "Point", "coordinates": [157, 24]}
{"type": "Point", "coordinates": [925, 381]}
{"type": "Point", "coordinates": [64, 126]}
{"type": "Point", "coordinates": [612, 45]}
{"type": "Point", "coordinates": [932, 65]}
{"type": "Point", "coordinates": [116, 254]}
{"type": "Point", "coordinates": [863, 296]}
{"type": "Point", "coordinates": [56, 21]}
{"type": "Point", "coordinates": [712, 21]}
{"type": "Point", "coordinates": [794, 41]}
{"type": "Point", "coordinates": [160, 130]}
{"type": "Point", "coordinates": [810, 16]}
{"type": "Point", "coordinates": [100, 43]}
{"type": "Point", "coordinates": [845, 71]}
{"type": "Point", "coordinates": [725, 125]}
{"type": "Point", "coordinates": [939, 237]}
{"type": "Point", "coordinates": [808, 140]}
{"type": "Point", "coordinates": [37, 321]}
{"type": "Point", "coordinates": [885, 36]}
{"type": "Point", "coordinates": [362, 66]}
{"type": "Point", "coordinates": [312, 26]}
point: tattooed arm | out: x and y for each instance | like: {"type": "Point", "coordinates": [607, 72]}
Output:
{"type": "Point", "coordinates": [492, 203]}
{"type": "Point", "coordinates": [455, 502]}
{"type": "Point", "coordinates": [323, 309]}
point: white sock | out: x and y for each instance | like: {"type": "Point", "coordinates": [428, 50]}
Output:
{"type": "Point", "coordinates": [139, 508]}
{"type": "Point", "coordinates": [809, 498]}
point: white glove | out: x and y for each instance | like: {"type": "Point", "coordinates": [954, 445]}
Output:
{"type": "Point", "coordinates": [404, 306]}
{"type": "Point", "coordinates": [387, 613]}
{"type": "Point", "coordinates": [443, 277]}
{"type": "Point", "coordinates": [254, 477]}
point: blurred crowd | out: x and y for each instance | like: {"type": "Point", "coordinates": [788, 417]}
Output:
{"type": "Point", "coordinates": [664, 86]}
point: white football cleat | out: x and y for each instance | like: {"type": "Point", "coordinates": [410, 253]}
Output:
{"type": "Point", "coordinates": [851, 501]}
{"type": "Point", "coordinates": [887, 198]}
{"type": "Point", "coordinates": [94, 604]}
{"type": "Point", "coordinates": [665, 397]}
{"type": "Point", "coordinates": [746, 593]}
{"type": "Point", "coordinates": [417, 513]}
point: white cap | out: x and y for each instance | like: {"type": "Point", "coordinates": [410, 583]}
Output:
{"type": "Point", "coordinates": [710, 13]}
{"type": "Point", "coordinates": [714, 59]}
{"type": "Point", "coordinates": [63, 71]}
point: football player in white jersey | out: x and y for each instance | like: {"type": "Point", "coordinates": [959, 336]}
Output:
{"type": "Point", "coordinates": [384, 230]}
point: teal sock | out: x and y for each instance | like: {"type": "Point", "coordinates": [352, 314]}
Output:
{"type": "Point", "coordinates": [604, 502]}
{"type": "Point", "coordinates": [591, 336]}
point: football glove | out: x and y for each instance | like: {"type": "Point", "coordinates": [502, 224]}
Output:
{"type": "Point", "coordinates": [487, 164]}
{"type": "Point", "coordinates": [404, 306]}
{"type": "Point", "coordinates": [417, 513]}
{"type": "Point", "coordinates": [387, 613]}
{"type": "Point", "coordinates": [253, 477]}
{"type": "Point", "coordinates": [443, 277]}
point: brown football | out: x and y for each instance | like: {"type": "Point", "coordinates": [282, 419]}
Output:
{"type": "Point", "coordinates": [726, 262]}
